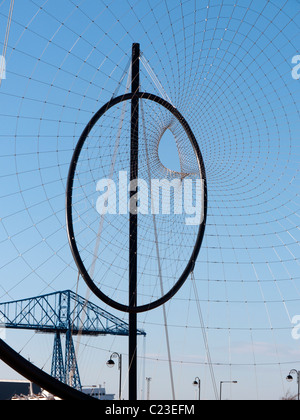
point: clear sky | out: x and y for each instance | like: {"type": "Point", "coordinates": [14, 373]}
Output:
{"type": "Point", "coordinates": [227, 66]}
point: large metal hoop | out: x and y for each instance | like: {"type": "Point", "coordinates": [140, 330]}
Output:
{"type": "Point", "coordinates": [69, 198]}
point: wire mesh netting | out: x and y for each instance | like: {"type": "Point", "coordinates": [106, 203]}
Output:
{"type": "Point", "coordinates": [231, 69]}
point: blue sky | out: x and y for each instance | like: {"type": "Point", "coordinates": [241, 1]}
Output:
{"type": "Point", "coordinates": [226, 65]}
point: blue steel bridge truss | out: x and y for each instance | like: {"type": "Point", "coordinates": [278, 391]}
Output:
{"type": "Point", "coordinates": [62, 313]}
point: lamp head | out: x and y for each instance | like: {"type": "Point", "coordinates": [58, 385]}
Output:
{"type": "Point", "coordinates": [289, 378]}
{"type": "Point", "coordinates": [110, 363]}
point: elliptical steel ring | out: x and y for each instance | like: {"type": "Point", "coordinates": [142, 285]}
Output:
{"type": "Point", "coordinates": [69, 198]}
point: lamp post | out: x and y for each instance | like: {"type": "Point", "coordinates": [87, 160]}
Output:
{"type": "Point", "coordinates": [148, 387]}
{"type": "Point", "coordinates": [110, 363]}
{"type": "Point", "coordinates": [289, 378]}
{"type": "Point", "coordinates": [225, 382]}
{"type": "Point", "coordinates": [197, 382]}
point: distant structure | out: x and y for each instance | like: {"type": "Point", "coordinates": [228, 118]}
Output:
{"type": "Point", "coordinates": [62, 313]}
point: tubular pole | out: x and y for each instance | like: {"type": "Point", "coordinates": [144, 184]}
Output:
{"type": "Point", "coordinates": [133, 308]}
{"type": "Point", "coordinates": [133, 222]}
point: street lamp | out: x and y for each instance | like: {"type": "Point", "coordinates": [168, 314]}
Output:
{"type": "Point", "coordinates": [225, 382]}
{"type": "Point", "coordinates": [110, 363]}
{"type": "Point", "coordinates": [290, 378]}
{"type": "Point", "coordinates": [197, 383]}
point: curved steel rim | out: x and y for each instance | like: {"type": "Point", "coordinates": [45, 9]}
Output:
{"type": "Point", "coordinates": [39, 377]}
{"type": "Point", "coordinates": [69, 198]}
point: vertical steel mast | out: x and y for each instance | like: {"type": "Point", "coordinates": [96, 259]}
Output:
{"type": "Point", "coordinates": [133, 307]}
{"type": "Point", "coordinates": [133, 232]}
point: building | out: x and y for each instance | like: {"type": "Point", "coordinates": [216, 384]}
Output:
{"type": "Point", "coordinates": [25, 390]}
{"type": "Point", "coordinates": [98, 392]}
{"type": "Point", "coordinates": [9, 389]}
